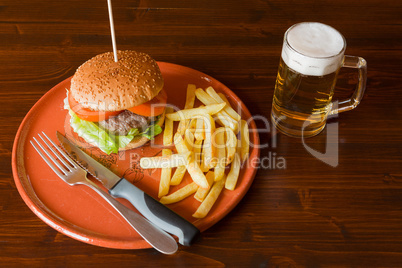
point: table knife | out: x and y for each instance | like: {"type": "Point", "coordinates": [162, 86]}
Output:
{"type": "Point", "coordinates": [153, 210]}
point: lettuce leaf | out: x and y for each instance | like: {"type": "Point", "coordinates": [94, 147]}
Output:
{"type": "Point", "coordinates": [106, 141]}
{"type": "Point", "coordinates": [152, 131]}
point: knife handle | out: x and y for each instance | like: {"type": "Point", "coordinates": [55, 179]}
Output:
{"type": "Point", "coordinates": [157, 238]}
{"type": "Point", "coordinates": [157, 213]}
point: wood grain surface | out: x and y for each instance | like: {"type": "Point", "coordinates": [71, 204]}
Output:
{"type": "Point", "coordinates": [307, 214]}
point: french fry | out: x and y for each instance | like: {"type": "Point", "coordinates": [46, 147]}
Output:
{"type": "Point", "coordinates": [231, 145]}
{"type": "Point", "coordinates": [222, 117]}
{"type": "Point", "coordinates": [204, 97]}
{"type": "Point", "coordinates": [202, 193]}
{"type": "Point", "coordinates": [228, 109]}
{"type": "Point", "coordinates": [165, 176]}
{"type": "Point", "coordinates": [189, 139]}
{"type": "Point", "coordinates": [180, 144]}
{"type": "Point", "coordinates": [168, 132]}
{"type": "Point", "coordinates": [180, 194]}
{"type": "Point", "coordinates": [245, 140]}
{"type": "Point", "coordinates": [234, 172]}
{"type": "Point", "coordinates": [208, 146]}
{"type": "Point", "coordinates": [219, 136]}
{"type": "Point", "coordinates": [225, 120]}
{"type": "Point", "coordinates": [203, 167]}
{"type": "Point", "coordinates": [190, 98]}
{"type": "Point", "coordinates": [178, 175]}
{"type": "Point", "coordinates": [199, 133]}
{"type": "Point", "coordinates": [196, 173]}
{"type": "Point", "coordinates": [197, 151]}
{"type": "Point", "coordinates": [181, 148]}
{"type": "Point", "coordinates": [210, 200]}
{"type": "Point", "coordinates": [223, 97]}
{"type": "Point", "coordinates": [192, 166]}
{"type": "Point", "coordinates": [192, 125]}
{"type": "Point", "coordinates": [194, 112]}
{"type": "Point", "coordinates": [165, 161]}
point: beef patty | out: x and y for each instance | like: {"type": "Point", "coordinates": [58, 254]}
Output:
{"type": "Point", "coordinates": [124, 121]}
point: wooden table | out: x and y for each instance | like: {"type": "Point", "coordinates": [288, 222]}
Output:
{"type": "Point", "coordinates": [347, 213]}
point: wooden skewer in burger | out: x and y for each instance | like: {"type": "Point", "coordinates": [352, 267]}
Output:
{"type": "Point", "coordinates": [116, 100]}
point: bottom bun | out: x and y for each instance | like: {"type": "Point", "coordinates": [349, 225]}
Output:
{"type": "Point", "coordinates": [139, 141]}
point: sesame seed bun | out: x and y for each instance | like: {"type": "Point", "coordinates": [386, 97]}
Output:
{"type": "Point", "coordinates": [101, 84]}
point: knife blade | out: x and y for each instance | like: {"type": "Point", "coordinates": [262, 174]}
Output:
{"type": "Point", "coordinates": [153, 210]}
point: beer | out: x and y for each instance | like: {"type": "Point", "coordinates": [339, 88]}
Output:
{"type": "Point", "coordinates": [312, 54]}
{"type": "Point", "coordinates": [301, 102]}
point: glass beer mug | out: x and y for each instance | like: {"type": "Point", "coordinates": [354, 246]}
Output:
{"type": "Point", "coordinates": [312, 55]}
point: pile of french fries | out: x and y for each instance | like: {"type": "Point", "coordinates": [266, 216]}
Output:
{"type": "Point", "coordinates": [207, 147]}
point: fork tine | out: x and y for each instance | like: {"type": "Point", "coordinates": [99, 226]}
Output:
{"type": "Point", "coordinates": [46, 159]}
{"type": "Point", "coordinates": [65, 156]}
{"type": "Point", "coordinates": [65, 168]}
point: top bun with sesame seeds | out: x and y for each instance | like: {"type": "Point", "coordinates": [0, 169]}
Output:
{"type": "Point", "coordinates": [101, 84]}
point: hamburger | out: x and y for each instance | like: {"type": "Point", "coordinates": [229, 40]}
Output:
{"type": "Point", "coordinates": [119, 105]}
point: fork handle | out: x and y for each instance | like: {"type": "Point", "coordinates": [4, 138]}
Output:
{"type": "Point", "coordinates": [156, 237]}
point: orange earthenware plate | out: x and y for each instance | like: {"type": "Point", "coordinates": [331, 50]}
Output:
{"type": "Point", "coordinates": [80, 213]}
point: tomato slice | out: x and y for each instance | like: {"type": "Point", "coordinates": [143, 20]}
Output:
{"type": "Point", "coordinates": [87, 114]}
{"type": "Point", "coordinates": [154, 107]}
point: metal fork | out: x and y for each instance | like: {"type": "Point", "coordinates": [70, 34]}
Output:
{"type": "Point", "coordinates": [70, 172]}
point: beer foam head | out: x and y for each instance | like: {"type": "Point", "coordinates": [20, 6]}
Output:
{"type": "Point", "coordinates": [313, 48]}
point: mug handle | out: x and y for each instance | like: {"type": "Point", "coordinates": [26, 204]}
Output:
{"type": "Point", "coordinates": [349, 104]}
